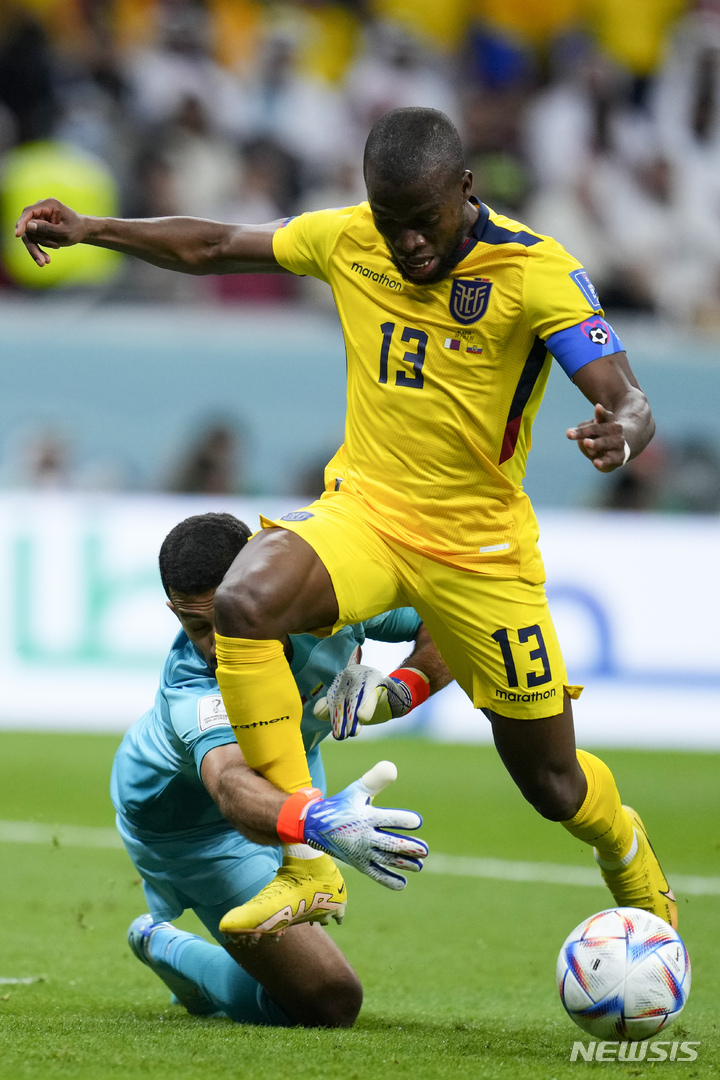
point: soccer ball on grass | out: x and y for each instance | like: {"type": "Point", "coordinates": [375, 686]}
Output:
{"type": "Point", "coordinates": [623, 974]}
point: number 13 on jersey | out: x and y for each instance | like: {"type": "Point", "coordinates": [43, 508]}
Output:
{"type": "Point", "coordinates": [415, 357]}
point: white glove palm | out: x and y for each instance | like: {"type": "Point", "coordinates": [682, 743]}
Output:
{"type": "Point", "coordinates": [362, 695]}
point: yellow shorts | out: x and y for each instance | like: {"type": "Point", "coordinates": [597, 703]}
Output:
{"type": "Point", "coordinates": [495, 634]}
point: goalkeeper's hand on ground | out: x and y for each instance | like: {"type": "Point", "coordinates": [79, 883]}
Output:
{"type": "Point", "coordinates": [348, 827]}
{"type": "Point", "coordinates": [363, 695]}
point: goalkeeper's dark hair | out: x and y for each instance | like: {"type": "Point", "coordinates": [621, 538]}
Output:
{"type": "Point", "coordinates": [198, 552]}
{"type": "Point", "coordinates": [406, 145]}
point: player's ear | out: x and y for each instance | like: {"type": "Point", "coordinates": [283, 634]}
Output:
{"type": "Point", "coordinates": [467, 183]}
{"type": "Point", "coordinates": [169, 603]}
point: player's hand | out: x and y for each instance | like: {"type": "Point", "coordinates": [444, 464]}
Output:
{"type": "Point", "coordinates": [348, 827]}
{"type": "Point", "coordinates": [601, 440]}
{"type": "Point", "coordinates": [52, 224]}
{"type": "Point", "coordinates": [362, 695]}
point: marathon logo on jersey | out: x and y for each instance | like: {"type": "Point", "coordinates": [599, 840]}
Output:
{"type": "Point", "coordinates": [297, 515]}
{"type": "Point", "coordinates": [597, 330]}
{"type": "Point", "coordinates": [586, 287]}
{"type": "Point", "coordinates": [381, 279]}
{"type": "Point", "coordinates": [211, 713]}
{"type": "Point", "coordinates": [469, 299]}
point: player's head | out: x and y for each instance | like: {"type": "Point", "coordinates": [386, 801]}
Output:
{"type": "Point", "coordinates": [418, 189]}
{"type": "Point", "coordinates": [194, 558]}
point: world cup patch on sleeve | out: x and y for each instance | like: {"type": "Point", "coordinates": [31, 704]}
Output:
{"type": "Point", "coordinates": [586, 287]}
{"type": "Point", "coordinates": [297, 515]}
{"type": "Point", "coordinates": [211, 712]}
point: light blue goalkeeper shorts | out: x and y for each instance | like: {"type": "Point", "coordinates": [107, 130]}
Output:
{"type": "Point", "coordinates": [209, 871]}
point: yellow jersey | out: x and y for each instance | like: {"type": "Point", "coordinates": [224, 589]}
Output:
{"type": "Point", "coordinates": [444, 380]}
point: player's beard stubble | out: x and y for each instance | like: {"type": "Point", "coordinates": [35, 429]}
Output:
{"type": "Point", "coordinates": [446, 264]}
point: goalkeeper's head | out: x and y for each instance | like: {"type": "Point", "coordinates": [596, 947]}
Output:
{"type": "Point", "coordinates": [194, 558]}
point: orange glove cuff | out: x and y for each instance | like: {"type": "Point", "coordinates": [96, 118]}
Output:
{"type": "Point", "coordinates": [291, 819]}
{"type": "Point", "coordinates": [418, 685]}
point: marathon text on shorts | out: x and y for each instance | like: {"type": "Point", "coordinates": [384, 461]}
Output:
{"type": "Point", "coordinates": [535, 695]}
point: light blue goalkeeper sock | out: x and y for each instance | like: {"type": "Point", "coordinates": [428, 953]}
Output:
{"type": "Point", "coordinates": [216, 974]}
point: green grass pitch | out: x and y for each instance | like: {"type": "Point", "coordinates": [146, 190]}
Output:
{"type": "Point", "coordinates": [458, 972]}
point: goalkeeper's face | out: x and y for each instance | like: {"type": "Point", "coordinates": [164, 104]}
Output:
{"type": "Point", "coordinates": [197, 617]}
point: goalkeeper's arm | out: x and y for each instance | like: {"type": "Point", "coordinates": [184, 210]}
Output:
{"type": "Point", "coordinates": [345, 825]}
{"type": "Point", "coordinates": [363, 695]}
{"type": "Point", "coordinates": [249, 802]}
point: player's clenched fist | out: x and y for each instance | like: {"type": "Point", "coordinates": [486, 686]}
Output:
{"type": "Point", "coordinates": [52, 224]}
{"type": "Point", "coordinates": [601, 440]}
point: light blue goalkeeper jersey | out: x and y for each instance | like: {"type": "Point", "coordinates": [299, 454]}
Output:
{"type": "Point", "coordinates": [156, 786]}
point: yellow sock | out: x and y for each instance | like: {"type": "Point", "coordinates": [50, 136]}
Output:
{"type": "Point", "coordinates": [601, 820]}
{"type": "Point", "coordinates": [264, 707]}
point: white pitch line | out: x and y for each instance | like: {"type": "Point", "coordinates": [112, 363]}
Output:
{"type": "Point", "coordinates": [551, 873]}
{"type": "Point", "coordinates": [23, 982]}
{"type": "Point", "coordinates": [30, 832]}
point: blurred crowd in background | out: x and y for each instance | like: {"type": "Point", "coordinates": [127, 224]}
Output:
{"type": "Point", "coordinates": [597, 121]}
{"type": "Point", "coordinates": [680, 476]}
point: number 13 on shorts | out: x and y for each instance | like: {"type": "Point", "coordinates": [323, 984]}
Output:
{"type": "Point", "coordinates": [526, 677]}
{"type": "Point", "coordinates": [531, 678]}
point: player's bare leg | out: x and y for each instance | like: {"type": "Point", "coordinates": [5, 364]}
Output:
{"type": "Point", "coordinates": [305, 978]}
{"type": "Point", "coordinates": [306, 974]}
{"type": "Point", "coordinates": [578, 790]}
{"type": "Point", "coordinates": [276, 586]}
{"type": "Point", "coordinates": [541, 758]}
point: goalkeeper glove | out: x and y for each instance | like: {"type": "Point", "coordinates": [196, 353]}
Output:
{"type": "Point", "coordinates": [348, 827]}
{"type": "Point", "coordinates": [363, 695]}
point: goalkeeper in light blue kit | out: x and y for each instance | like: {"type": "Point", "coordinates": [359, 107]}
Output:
{"type": "Point", "coordinates": [204, 830]}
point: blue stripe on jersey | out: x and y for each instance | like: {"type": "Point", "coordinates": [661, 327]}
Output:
{"type": "Point", "coordinates": [526, 383]}
{"type": "Point", "coordinates": [487, 232]}
{"type": "Point", "coordinates": [484, 230]}
{"type": "Point", "coordinates": [578, 345]}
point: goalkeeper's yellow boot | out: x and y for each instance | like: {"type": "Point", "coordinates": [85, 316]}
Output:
{"type": "Point", "coordinates": [303, 890]}
{"type": "Point", "coordinates": [638, 880]}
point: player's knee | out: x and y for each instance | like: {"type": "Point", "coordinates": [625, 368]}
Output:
{"type": "Point", "coordinates": [243, 609]}
{"type": "Point", "coordinates": [337, 1003]}
{"type": "Point", "coordinates": [557, 796]}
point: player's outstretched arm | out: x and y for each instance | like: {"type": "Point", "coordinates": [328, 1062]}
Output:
{"type": "Point", "coordinates": [190, 245]}
{"type": "Point", "coordinates": [623, 424]}
{"type": "Point", "coordinates": [364, 695]}
{"type": "Point", "coordinates": [346, 825]}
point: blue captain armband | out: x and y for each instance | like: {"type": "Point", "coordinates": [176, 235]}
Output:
{"type": "Point", "coordinates": [578, 345]}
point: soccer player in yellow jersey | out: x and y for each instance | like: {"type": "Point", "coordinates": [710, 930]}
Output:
{"type": "Point", "coordinates": [452, 315]}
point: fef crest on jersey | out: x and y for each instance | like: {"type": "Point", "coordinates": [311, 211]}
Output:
{"type": "Point", "coordinates": [469, 299]}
